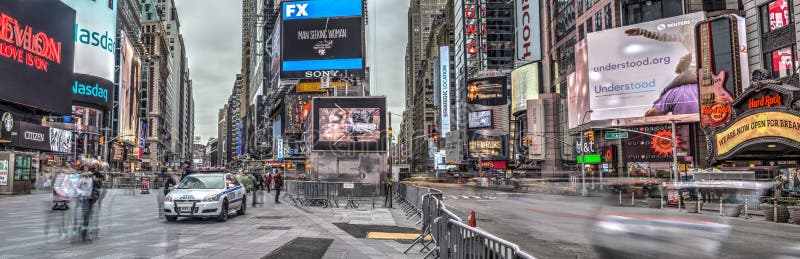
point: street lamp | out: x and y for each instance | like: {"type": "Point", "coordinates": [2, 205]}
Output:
{"type": "Point", "coordinates": [583, 157]}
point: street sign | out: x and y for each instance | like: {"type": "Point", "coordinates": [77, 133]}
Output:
{"type": "Point", "coordinates": [616, 135]}
{"type": "Point", "coordinates": [348, 185]}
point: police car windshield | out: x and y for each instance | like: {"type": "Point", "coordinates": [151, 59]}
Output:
{"type": "Point", "coordinates": [202, 182]}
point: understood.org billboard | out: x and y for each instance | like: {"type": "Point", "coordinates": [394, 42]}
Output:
{"type": "Point", "coordinates": [643, 70]}
{"type": "Point", "coordinates": [95, 44]}
{"type": "Point", "coordinates": [349, 123]}
{"type": "Point", "coordinates": [325, 35]}
{"type": "Point", "coordinates": [36, 53]}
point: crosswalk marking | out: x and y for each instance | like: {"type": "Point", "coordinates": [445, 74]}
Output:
{"type": "Point", "coordinates": [470, 197]}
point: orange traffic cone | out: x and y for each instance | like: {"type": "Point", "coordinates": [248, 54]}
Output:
{"type": "Point", "coordinates": [472, 222]}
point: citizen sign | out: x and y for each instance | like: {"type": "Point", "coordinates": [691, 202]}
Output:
{"type": "Point", "coordinates": [34, 136]}
{"type": "Point", "coordinates": [311, 74]}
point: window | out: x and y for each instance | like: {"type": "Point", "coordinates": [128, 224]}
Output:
{"type": "Point", "coordinates": [580, 7]}
{"type": "Point", "coordinates": [589, 25]}
{"type": "Point", "coordinates": [598, 18]}
{"type": "Point", "coordinates": [607, 10]}
{"type": "Point", "coordinates": [650, 10]}
{"type": "Point", "coordinates": [783, 61]}
{"type": "Point", "coordinates": [581, 33]}
{"type": "Point", "coordinates": [713, 5]}
{"type": "Point", "coordinates": [588, 4]}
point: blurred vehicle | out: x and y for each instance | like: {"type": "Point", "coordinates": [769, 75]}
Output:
{"type": "Point", "coordinates": [639, 236]}
{"type": "Point", "coordinates": [206, 195]}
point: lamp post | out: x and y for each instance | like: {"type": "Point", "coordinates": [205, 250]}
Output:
{"type": "Point", "coordinates": [583, 157]}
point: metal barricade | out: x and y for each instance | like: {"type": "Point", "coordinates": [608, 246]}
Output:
{"type": "Point", "coordinates": [450, 237]}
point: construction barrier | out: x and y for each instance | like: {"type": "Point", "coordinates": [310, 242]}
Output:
{"type": "Point", "coordinates": [330, 194]}
{"type": "Point", "coordinates": [450, 236]}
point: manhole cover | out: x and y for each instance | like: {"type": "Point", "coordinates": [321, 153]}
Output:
{"type": "Point", "coordinates": [274, 227]}
{"type": "Point", "coordinates": [270, 217]}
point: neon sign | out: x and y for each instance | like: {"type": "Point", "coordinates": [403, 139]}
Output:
{"type": "Point", "coordinates": [21, 43]}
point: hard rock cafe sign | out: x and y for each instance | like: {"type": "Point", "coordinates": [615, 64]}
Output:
{"type": "Point", "coordinates": [763, 113]}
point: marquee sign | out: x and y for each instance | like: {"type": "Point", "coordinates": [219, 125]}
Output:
{"type": "Point", "coordinates": [764, 113]}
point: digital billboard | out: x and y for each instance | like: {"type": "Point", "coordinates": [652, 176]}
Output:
{"type": "Point", "coordinates": [525, 84]}
{"type": "Point", "coordinates": [298, 107]}
{"type": "Point", "coordinates": [487, 147]}
{"type": "Point", "coordinates": [349, 123]}
{"type": "Point", "coordinates": [644, 70]}
{"type": "Point", "coordinates": [95, 45]}
{"type": "Point", "coordinates": [644, 148]}
{"type": "Point", "coordinates": [325, 35]}
{"type": "Point", "coordinates": [60, 140]}
{"type": "Point", "coordinates": [479, 119]}
{"type": "Point", "coordinates": [36, 53]}
{"type": "Point", "coordinates": [128, 94]}
{"type": "Point", "coordinates": [535, 117]}
{"type": "Point", "coordinates": [487, 91]}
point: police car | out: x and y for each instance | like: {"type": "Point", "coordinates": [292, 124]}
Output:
{"type": "Point", "coordinates": [206, 195]}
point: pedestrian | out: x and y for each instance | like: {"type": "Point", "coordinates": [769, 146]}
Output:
{"type": "Point", "coordinates": [268, 181]}
{"type": "Point", "coordinates": [84, 202]}
{"type": "Point", "coordinates": [168, 180]}
{"type": "Point", "coordinates": [278, 185]}
{"type": "Point", "coordinates": [187, 169]}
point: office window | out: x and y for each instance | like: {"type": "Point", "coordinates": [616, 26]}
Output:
{"type": "Point", "coordinates": [713, 5]}
{"type": "Point", "coordinates": [598, 17]}
{"type": "Point", "coordinates": [581, 33]}
{"type": "Point", "coordinates": [645, 11]}
{"type": "Point", "coordinates": [607, 10]}
{"type": "Point", "coordinates": [580, 7]}
{"type": "Point", "coordinates": [589, 25]}
{"type": "Point", "coordinates": [777, 15]}
{"type": "Point", "coordinates": [588, 4]}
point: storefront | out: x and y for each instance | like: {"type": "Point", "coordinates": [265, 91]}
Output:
{"type": "Point", "coordinates": [763, 133]}
{"type": "Point", "coordinates": [19, 165]}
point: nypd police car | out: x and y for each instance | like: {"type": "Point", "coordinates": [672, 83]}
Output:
{"type": "Point", "coordinates": [206, 195]}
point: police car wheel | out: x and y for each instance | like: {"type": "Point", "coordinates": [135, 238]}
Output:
{"type": "Point", "coordinates": [223, 213]}
{"type": "Point", "coordinates": [242, 209]}
{"type": "Point", "coordinates": [171, 218]}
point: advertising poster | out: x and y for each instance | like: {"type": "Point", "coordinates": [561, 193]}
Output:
{"type": "Point", "coordinates": [524, 86]}
{"type": "Point", "coordinates": [4, 172]}
{"type": "Point", "coordinates": [349, 123]}
{"type": "Point", "coordinates": [578, 87]}
{"type": "Point", "coordinates": [325, 35]}
{"type": "Point", "coordinates": [535, 112]}
{"type": "Point", "coordinates": [37, 75]}
{"type": "Point", "coordinates": [444, 84]}
{"type": "Point", "coordinates": [722, 59]}
{"type": "Point", "coordinates": [638, 169]}
{"type": "Point", "coordinates": [487, 91]}
{"type": "Point", "coordinates": [95, 43]}
{"type": "Point", "coordinates": [298, 107]}
{"type": "Point", "coordinates": [644, 70]}
{"type": "Point", "coordinates": [487, 147]}
{"type": "Point", "coordinates": [643, 148]}
{"type": "Point", "coordinates": [479, 119]}
{"type": "Point", "coordinates": [60, 140]}
{"type": "Point", "coordinates": [527, 31]}
{"type": "Point", "coordinates": [779, 125]}
{"type": "Point", "coordinates": [792, 179]}
{"type": "Point", "coordinates": [32, 136]}
{"type": "Point", "coordinates": [129, 76]}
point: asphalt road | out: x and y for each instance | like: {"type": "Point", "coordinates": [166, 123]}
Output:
{"type": "Point", "coordinates": [554, 226]}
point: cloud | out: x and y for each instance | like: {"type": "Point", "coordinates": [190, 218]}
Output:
{"type": "Point", "coordinates": [388, 28]}
{"type": "Point", "coordinates": [212, 33]}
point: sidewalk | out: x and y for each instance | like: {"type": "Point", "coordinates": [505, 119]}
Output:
{"type": "Point", "coordinates": [339, 225]}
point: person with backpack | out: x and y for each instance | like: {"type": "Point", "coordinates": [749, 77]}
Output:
{"type": "Point", "coordinates": [278, 185]}
{"type": "Point", "coordinates": [268, 181]}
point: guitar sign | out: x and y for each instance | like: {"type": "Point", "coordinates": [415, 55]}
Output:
{"type": "Point", "coordinates": [715, 100]}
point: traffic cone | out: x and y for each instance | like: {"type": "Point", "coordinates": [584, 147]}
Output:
{"type": "Point", "coordinates": [472, 222]}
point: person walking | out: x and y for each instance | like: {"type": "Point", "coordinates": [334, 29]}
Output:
{"type": "Point", "coordinates": [268, 181]}
{"type": "Point", "coordinates": [278, 185]}
{"type": "Point", "coordinates": [187, 169]}
{"type": "Point", "coordinates": [168, 180]}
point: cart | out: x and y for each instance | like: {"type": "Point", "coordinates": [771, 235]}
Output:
{"type": "Point", "coordinates": [63, 190]}
{"type": "Point", "coordinates": [145, 185]}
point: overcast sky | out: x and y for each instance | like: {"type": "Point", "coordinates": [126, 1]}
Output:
{"type": "Point", "coordinates": [212, 33]}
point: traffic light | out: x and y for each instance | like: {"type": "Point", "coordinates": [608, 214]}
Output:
{"type": "Point", "coordinates": [590, 135]}
{"type": "Point", "coordinates": [390, 131]}
{"type": "Point", "coordinates": [435, 138]}
{"type": "Point", "coordinates": [102, 141]}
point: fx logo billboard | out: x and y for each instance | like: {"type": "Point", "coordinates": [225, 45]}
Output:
{"type": "Point", "coordinates": [296, 10]}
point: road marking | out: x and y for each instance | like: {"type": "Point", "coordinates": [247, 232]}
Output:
{"type": "Point", "coordinates": [465, 197]}
{"type": "Point", "coordinates": [476, 197]}
{"type": "Point", "coordinates": [453, 197]}
{"type": "Point", "coordinates": [394, 236]}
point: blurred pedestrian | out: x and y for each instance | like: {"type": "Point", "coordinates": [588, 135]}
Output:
{"type": "Point", "coordinates": [268, 181]}
{"type": "Point", "coordinates": [187, 169]}
{"type": "Point", "coordinates": [169, 181]}
{"type": "Point", "coordinates": [278, 185]}
{"type": "Point", "coordinates": [84, 202]}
